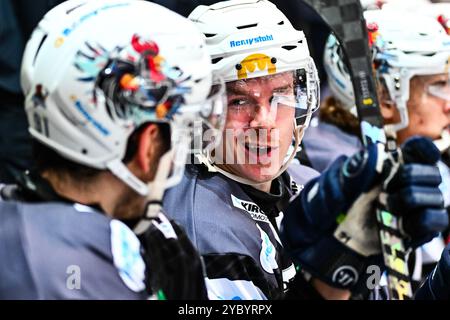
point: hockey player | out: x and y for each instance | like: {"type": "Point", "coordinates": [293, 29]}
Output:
{"type": "Point", "coordinates": [411, 63]}
{"type": "Point", "coordinates": [111, 89]}
{"type": "Point", "coordinates": [231, 205]}
{"type": "Point", "coordinates": [230, 213]}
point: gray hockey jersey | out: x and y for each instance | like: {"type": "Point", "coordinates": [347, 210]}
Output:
{"type": "Point", "coordinates": [52, 248]}
{"type": "Point", "coordinates": [324, 143]}
{"type": "Point", "coordinates": [234, 227]}
{"type": "Point", "coordinates": [57, 250]}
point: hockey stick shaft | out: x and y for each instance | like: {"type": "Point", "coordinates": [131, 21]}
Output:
{"type": "Point", "coordinates": [346, 21]}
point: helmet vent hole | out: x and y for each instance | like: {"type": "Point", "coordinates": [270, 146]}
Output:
{"type": "Point", "coordinates": [84, 151]}
{"type": "Point", "coordinates": [289, 48]}
{"type": "Point", "coordinates": [280, 23]}
{"type": "Point", "coordinates": [39, 48]}
{"type": "Point", "coordinates": [209, 35]}
{"type": "Point", "coordinates": [247, 26]}
{"type": "Point", "coordinates": [198, 80]}
{"type": "Point", "coordinates": [215, 60]}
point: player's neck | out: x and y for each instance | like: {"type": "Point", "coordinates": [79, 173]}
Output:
{"type": "Point", "coordinates": [103, 191]}
{"type": "Point", "coordinates": [264, 187]}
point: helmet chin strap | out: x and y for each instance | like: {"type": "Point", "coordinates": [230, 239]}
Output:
{"type": "Point", "coordinates": [156, 192]}
{"type": "Point", "coordinates": [120, 170]}
{"type": "Point", "coordinates": [444, 142]}
{"type": "Point", "coordinates": [206, 160]}
{"type": "Point", "coordinates": [404, 118]}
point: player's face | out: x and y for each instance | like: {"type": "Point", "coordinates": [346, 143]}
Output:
{"type": "Point", "coordinates": [428, 106]}
{"type": "Point", "coordinates": [259, 126]}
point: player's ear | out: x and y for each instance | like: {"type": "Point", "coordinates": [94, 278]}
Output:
{"type": "Point", "coordinates": [147, 148]}
{"type": "Point", "coordinates": [388, 107]}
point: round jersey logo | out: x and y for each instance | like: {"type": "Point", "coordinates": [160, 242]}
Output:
{"type": "Point", "coordinates": [125, 249]}
{"type": "Point", "coordinates": [345, 276]}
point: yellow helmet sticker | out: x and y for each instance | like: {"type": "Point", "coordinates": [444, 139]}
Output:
{"type": "Point", "coordinates": [256, 60]}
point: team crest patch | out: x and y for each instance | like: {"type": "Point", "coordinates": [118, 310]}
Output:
{"type": "Point", "coordinates": [268, 253]}
{"type": "Point", "coordinates": [125, 248]}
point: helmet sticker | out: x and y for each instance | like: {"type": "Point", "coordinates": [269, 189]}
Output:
{"type": "Point", "coordinates": [90, 61]}
{"type": "Point", "coordinates": [250, 41]}
{"type": "Point", "coordinates": [255, 61]}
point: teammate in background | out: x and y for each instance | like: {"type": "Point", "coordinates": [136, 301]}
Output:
{"type": "Point", "coordinates": [403, 64]}
{"type": "Point", "coordinates": [111, 88]}
{"type": "Point", "coordinates": [232, 203]}
{"type": "Point", "coordinates": [439, 10]}
{"type": "Point", "coordinates": [411, 63]}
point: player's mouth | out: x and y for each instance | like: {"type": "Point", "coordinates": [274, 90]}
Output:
{"type": "Point", "coordinates": [259, 154]}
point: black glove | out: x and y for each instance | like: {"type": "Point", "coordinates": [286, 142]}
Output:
{"type": "Point", "coordinates": [173, 264]}
{"type": "Point", "coordinates": [331, 229]}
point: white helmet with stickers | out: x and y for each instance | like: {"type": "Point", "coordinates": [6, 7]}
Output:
{"type": "Point", "coordinates": [440, 12]}
{"type": "Point", "coordinates": [253, 39]}
{"type": "Point", "coordinates": [402, 48]}
{"type": "Point", "coordinates": [95, 71]}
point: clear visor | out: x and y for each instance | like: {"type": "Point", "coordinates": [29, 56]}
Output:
{"type": "Point", "coordinates": [195, 128]}
{"type": "Point", "coordinates": [204, 122]}
{"type": "Point", "coordinates": [440, 87]}
{"type": "Point", "coordinates": [267, 100]}
{"type": "Point", "coordinates": [146, 86]}
{"type": "Point", "coordinates": [266, 117]}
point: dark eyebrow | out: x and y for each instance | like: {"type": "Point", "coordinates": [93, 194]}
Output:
{"type": "Point", "coordinates": [237, 91]}
{"type": "Point", "coordinates": [283, 88]}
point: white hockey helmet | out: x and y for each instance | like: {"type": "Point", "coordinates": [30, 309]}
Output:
{"type": "Point", "coordinates": [253, 39]}
{"type": "Point", "coordinates": [95, 71]}
{"type": "Point", "coordinates": [404, 45]}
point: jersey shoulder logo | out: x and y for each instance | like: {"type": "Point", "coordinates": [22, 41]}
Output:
{"type": "Point", "coordinates": [268, 253]}
{"type": "Point", "coordinates": [125, 248]}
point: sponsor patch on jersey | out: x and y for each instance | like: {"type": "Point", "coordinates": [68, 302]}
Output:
{"type": "Point", "coordinates": [125, 248]}
{"type": "Point", "coordinates": [252, 208]}
{"type": "Point", "coordinates": [268, 253]}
